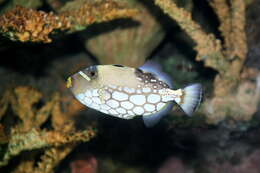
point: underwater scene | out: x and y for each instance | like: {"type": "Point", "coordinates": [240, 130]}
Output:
{"type": "Point", "coordinates": [129, 86]}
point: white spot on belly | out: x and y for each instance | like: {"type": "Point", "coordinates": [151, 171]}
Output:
{"type": "Point", "coordinates": [96, 100]}
{"type": "Point", "coordinates": [95, 106]}
{"type": "Point", "coordinates": [88, 93]}
{"type": "Point", "coordinates": [130, 113]}
{"type": "Point", "coordinates": [107, 95]}
{"type": "Point", "coordinates": [138, 110]}
{"type": "Point", "coordinates": [149, 107]}
{"type": "Point", "coordinates": [105, 107]}
{"type": "Point", "coordinates": [112, 103]}
{"type": "Point", "coordinates": [104, 111]}
{"type": "Point", "coordinates": [95, 92]}
{"type": "Point", "coordinates": [153, 98]}
{"type": "Point", "coordinates": [127, 105]}
{"type": "Point", "coordinates": [87, 101]}
{"type": "Point", "coordinates": [113, 112]}
{"type": "Point", "coordinates": [121, 110]}
{"type": "Point", "coordinates": [137, 99]}
{"type": "Point", "coordinates": [160, 106]}
{"type": "Point", "coordinates": [129, 90]}
{"type": "Point", "coordinates": [80, 96]}
{"type": "Point", "coordinates": [146, 90]}
{"type": "Point", "coordinates": [119, 96]}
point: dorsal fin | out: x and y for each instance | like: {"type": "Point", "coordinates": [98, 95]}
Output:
{"type": "Point", "coordinates": [151, 120]}
{"type": "Point", "coordinates": [156, 69]}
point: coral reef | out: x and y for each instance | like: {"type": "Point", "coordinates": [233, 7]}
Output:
{"type": "Point", "coordinates": [227, 57]}
{"type": "Point", "coordinates": [25, 24]}
{"type": "Point", "coordinates": [27, 134]}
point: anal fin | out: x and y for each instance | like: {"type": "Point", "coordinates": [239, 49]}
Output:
{"type": "Point", "coordinates": [151, 120]}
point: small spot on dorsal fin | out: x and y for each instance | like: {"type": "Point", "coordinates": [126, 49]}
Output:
{"type": "Point", "coordinates": [156, 69]}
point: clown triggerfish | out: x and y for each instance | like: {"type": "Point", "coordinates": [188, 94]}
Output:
{"type": "Point", "coordinates": [126, 92]}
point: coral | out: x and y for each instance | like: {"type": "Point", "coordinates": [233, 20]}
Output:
{"type": "Point", "coordinates": [86, 13]}
{"type": "Point", "coordinates": [30, 25]}
{"type": "Point", "coordinates": [28, 135]}
{"type": "Point", "coordinates": [25, 24]}
{"type": "Point", "coordinates": [227, 57]}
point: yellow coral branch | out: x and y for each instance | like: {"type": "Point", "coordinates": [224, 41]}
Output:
{"type": "Point", "coordinates": [208, 47]}
{"type": "Point", "coordinates": [52, 158]}
{"type": "Point", "coordinates": [232, 27]}
{"type": "Point", "coordinates": [25, 24]}
{"type": "Point", "coordinates": [36, 139]}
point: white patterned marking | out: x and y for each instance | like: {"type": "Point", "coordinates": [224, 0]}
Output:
{"type": "Point", "coordinates": [87, 101]}
{"type": "Point", "coordinates": [104, 111]}
{"type": "Point", "coordinates": [146, 90]}
{"type": "Point", "coordinates": [138, 110]}
{"type": "Point", "coordinates": [137, 99]}
{"type": "Point", "coordinates": [95, 92]}
{"type": "Point", "coordinates": [107, 95]}
{"type": "Point", "coordinates": [112, 103]}
{"type": "Point", "coordinates": [130, 113]}
{"type": "Point", "coordinates": [113, 112]}
{"type": "Point", "coordinates": [121, 110]}
{"type": "Point", "coordinates": [160, 106]}
{"type": "Point", "coordinates": [127, 105]}
{"type": "Point", "coordinates": [129, 90]}
{"type": "Point", "coordinates": [80, 96]}
{"type": "Point", "coordinates": [95, 106]}
{"type": "Point", "coordinates": [153, 98]}
{"type": "Point", "coordinates": [149, 107]}
{"type": "Point", "coordinates": [104, 106]}
{"type": "Point", "coordinates": [84, 76]}
{"type": "Point", "coordinates": [96, 100]}
{"type": "Point", "coordinates": [88, 93]}
{"type": "Point", "coordinates": [119, 96]}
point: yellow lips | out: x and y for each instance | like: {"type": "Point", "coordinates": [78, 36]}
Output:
{"type": "Point", "coordinates": [69, 83]}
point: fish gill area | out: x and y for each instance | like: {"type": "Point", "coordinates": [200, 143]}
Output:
{"type": "Point", "coordinates": [44, 129]}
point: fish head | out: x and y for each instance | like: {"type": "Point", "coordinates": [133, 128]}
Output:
{"type": "Point", "coordinates": [83, 80]}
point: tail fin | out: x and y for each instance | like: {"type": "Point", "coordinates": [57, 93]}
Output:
{"type": "Point", "coordinates": [191, 99]}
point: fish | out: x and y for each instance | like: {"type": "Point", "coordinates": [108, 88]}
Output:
{"type": "Point", "coordinates": [127, 92]}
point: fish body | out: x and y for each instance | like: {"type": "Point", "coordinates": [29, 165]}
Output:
{"type": "Point", "coordinates": [127, 92]}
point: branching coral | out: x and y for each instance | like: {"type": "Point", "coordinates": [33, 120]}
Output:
{"type": "Point", "coordinates": [28, 135]}
{"type": "Point", "coordinates": [25, 24]}
{"type": "Point", "coordinates": [30, 25]}
{"type": "Point", "coordinates": [226, 57]}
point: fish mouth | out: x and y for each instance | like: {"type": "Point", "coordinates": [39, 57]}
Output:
{"type": "Point", "coordinates": [69, 82]}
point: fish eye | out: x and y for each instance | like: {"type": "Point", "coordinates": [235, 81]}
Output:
{"type": "Point", "coordinates": [92, 73]}
{"type": "Point", "coordinates": [118, 65]}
